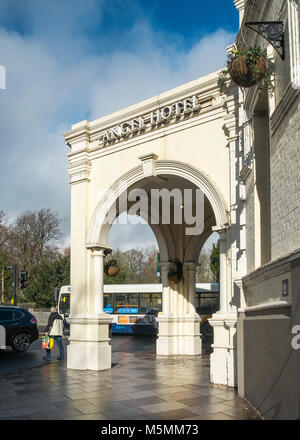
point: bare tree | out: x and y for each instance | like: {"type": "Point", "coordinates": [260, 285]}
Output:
{"type": "Point", "coordinates": [33, 237]}
{"type": "Point", "coordinates": [134, 261]}
{"type": "Point", "coordinates": [3, 230]}
{"type": "Point", "coordinates": [151, 266]}
{"type": "Point", "coordinates": [204, 273]}
{"type": "Point", "coordinates": [137, 265]}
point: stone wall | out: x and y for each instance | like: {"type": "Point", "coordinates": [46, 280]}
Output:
{"type": "Point", "coordinates": [41, 316]}
{"type": "Point", "coordinates": [285, 184]}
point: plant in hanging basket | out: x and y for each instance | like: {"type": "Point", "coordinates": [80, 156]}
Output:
{"type": "Point", "coordinates": [110, 267]}
{"type": "Point", "coordinates": [248, 68]}
{"type": "Point", "coordinates": [175, 276]}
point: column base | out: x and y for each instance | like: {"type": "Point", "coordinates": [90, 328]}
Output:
{"type": "Point", "coordinates": [223, 362]}
{"type": "Point", "coordinates": [179, 335]}
{"type": "Point", "coordinates": [89, 347]}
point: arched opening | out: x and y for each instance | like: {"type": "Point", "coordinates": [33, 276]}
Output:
{"type": "Point", "coordinates": [134, 296]}
{"type": "Point", "coordinates": [181, 206]}
{"type": "Point", "coordinates": [207, 288]}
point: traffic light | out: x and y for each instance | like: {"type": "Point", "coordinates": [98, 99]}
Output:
{"type": "Point", "coordinates": [158, 272]}
{"type": "Point", "coordinates": [55, 294]}
{"type": "Point", "coordinates": [22, 278]}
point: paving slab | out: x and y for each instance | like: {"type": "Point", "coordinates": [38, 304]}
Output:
{"type": "Point", "coordinates": [139, 386]}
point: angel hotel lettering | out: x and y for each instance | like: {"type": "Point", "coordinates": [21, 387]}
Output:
{"type": "Point", "coordinates": [159, 116]}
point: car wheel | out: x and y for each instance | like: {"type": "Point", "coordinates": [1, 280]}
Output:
{"type": "Point", "coordinates": [21, 342]}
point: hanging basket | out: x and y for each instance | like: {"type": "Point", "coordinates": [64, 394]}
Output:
{"type": "Point", "coordinates": [112, 271]}
{"type": "Point", "coordinates": [173, 277]}
{"type": "Point", "coordinates": [110, 268]}
{"type": "Point", "coordinates": [245, 74]}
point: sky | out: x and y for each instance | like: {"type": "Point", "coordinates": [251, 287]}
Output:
{"type": "Point", "coordinates": [70, 60]}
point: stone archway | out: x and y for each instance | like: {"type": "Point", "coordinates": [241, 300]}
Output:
{"type": "Point", "coordinates": [139, 147]}
{"type": "Point", "coordinates": [179, 323]}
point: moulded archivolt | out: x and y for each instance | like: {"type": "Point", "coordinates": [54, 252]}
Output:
{"type": "Point", "coordinates": [98, 229]}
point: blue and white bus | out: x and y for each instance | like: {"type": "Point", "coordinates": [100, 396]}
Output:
{"type": "Point", "coordinates": [135, 307]}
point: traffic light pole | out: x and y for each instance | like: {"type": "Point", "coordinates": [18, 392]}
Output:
{"type": "Point", "coordinates": [2, 287]}
{"type": "Point", "coordinates": [14, 285]}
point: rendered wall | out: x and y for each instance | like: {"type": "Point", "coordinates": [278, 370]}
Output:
{"type": "Point", "coordinates": [270, 374]}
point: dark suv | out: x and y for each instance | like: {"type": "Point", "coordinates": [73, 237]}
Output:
{"type": "Point", "coordinates": [20, 327]}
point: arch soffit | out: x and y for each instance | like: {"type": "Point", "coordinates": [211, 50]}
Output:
{"type": "Point", "coordinates": [98, 229]}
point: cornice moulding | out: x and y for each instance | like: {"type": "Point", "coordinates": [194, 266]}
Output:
{"type": "Point", "coordinates": [206, 88]}
{"type": "Point", "coordinates": [201, 86]}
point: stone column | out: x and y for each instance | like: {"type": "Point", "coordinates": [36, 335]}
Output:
{"type": "Point", "coordinates": [191, 286]}
{"type": "Point", "coordinates": [79, 171]}
{"type": "Point", "coordinates": [179, 328]}
{"type": "Point", "coordinates": [165, 320]}
{"type": "Point", "coordinates": [223, 269]}
{"type": "Point", "coordinates": [165, 288]}
{"type": "Point", "coordinates": [193, 340]}
{"type": "Point", "coordinates": [93, 335]}
{"type": "Point", "coordinates": [98, 263]}
{"type": "Point", "coordinates": [223, 358]}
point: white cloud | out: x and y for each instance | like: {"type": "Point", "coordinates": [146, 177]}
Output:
{"type": "Point", "coordinates": [58, 78]}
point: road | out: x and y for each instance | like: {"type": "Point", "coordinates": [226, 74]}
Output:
{"type": "Point", "coordinates": [33, 357]}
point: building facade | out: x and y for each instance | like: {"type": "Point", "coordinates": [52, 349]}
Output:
{"type": "Point", "coordinates": [268, 363]}
{"type": "Point", "coordinates": [240, 148]}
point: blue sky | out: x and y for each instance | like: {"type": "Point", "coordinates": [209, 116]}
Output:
{"type": "Point", "coordinates": [69, 60]}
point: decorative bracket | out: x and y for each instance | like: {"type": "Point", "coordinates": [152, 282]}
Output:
{"type": "Point", "coordinates": [272, 31]}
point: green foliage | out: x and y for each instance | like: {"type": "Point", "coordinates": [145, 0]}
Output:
{"type": "Point", "coordinates": [252, 54]}
{"type": "Point", "coordinates": [7, 275]}
{"type": "Point", "coordinates": [121, 275]}
{"type": "Point", "coordinates": [44, 278]}
{"type": "Point", "coordinates": [215, 262]}
{"type": "Point", "coordinates": [30, 242]}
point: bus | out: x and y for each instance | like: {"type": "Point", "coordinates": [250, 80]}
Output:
{"type": "Point", "coordinates": [135, 307]}
{"type": "Point", "coordinates": [64, 301]}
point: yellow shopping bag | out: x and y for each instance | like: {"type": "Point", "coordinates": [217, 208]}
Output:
{"type": "Point", "coordinates": [51, 343]}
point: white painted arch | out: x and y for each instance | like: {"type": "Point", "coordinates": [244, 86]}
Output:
{"type": "Point", "coordinates": [98, 229]}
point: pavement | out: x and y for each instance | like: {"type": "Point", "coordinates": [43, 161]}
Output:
{"type": "Point", "coordinates": [139, 386]}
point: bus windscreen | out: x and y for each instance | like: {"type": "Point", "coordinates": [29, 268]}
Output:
{"type": "Point", "coordinates": [64, 304]}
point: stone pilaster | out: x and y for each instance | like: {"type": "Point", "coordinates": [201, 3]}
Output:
{"type": "Point", "coordinates": [179, 325]}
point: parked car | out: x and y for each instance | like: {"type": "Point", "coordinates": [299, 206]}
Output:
{"type": "Point", "coordinates": [20, 327]}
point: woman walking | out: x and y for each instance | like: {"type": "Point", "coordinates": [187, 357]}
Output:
{"type": "Point", "coordinates": [55, 329]}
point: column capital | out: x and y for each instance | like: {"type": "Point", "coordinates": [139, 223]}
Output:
{"type": "Point", "coordinates": [165, 264]}
{"type": "Point", "coordinates": [97, 248]}
{"type": "Point", "coordinates": [221, 229]}
{"type": "Point", "coordinates": [190, 265]}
